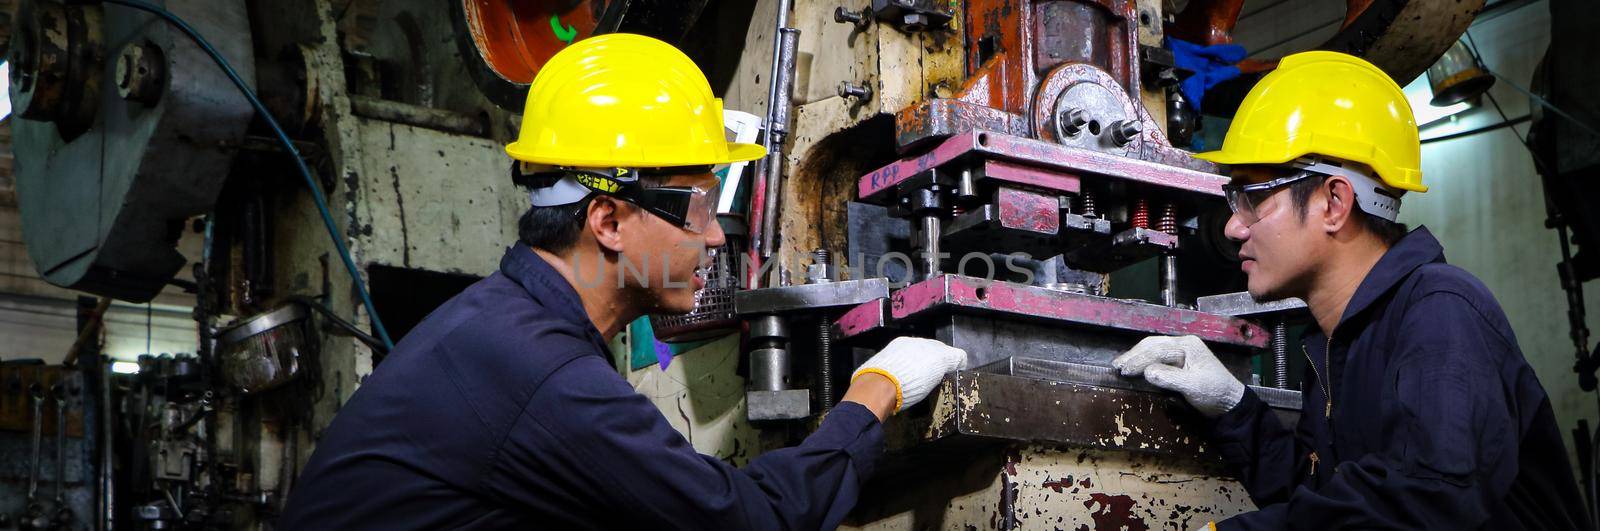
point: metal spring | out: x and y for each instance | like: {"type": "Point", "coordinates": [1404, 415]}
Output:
{"type": "Point", "coordinates": [1141, 214]}
{"type": "Point", "coordinates": [1086, 207]}
{"type": "Point", "coordinates": [1168, 220]}
{"type": "Point", "coordinates": [1280, 354]}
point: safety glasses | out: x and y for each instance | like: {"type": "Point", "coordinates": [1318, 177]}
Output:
{"type": "Point", "coordinates": [1244, 198]}
{"type": "Point", "coordinates": [689, 207]}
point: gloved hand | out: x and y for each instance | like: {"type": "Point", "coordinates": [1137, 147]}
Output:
{"type": "Point", "coordinates": [1184, 365]}
{"type": "Point", "coordinates": [915, 365]}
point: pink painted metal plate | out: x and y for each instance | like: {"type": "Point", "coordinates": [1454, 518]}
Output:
{"type": "Point", "coordinates": [877, 186]}
{"type": "Point", "coordinates": [989, 297]}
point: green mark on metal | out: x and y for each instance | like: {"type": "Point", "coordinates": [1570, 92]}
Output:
{"type": "Point", "coordinates": [564, 32]}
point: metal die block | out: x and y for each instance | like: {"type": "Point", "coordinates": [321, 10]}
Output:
{"type": "Point", "coordinates": [1017, 221]}
{"type": "Point", "coordinates": [975, 405]}
{"type": "Point", "coordinates": [958, 294]}
{"type": "Point", "coordinates": [1121, 250]}
{"type": "Point", "coordinates": [866, 324]}
{"type": "Point", "coordinates": [883, 185]}
{"type": "Point", "coordinates": [989, 339]}
{"type": "Point", "coordinates": [810, 297]}
{"type": "Point", "coordinates": [1241, 304]}
{"type": "Point", "coordinates": [791, 404]}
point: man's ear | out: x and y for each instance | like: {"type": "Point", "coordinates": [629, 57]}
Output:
{"type": "Point", "coordinates": [1341, 200]}
{"type": "Point", "coordinates": [603, 221]}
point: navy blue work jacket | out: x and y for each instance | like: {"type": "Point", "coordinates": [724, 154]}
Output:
{"type": "Point", "coordinates": [501, 410]}
{"type": "Point", "coordinates": [1438, 421]}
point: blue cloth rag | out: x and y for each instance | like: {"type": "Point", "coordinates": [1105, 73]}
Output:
{"type": "Point", "coordinates": [1211, 65]}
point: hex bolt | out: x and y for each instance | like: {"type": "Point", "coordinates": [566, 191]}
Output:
{"type": "Point", "coordinates": [915, 22]}
{"type": "Point", "coordinates": [1124, 131]}
{"type": "Point", "coordinates": [860, 93]}
{"type": "Point", "coordinates": [1070, 122]}
{"type": "Point", "coordinates": [859, 19]}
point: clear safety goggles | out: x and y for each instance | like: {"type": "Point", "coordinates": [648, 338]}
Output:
{"type": "Point", "coordinates": [692, 208]}
{"type": "Point", "coordinates": [1245, 198]}
{"type": "Point", "coordinates": [1370, 196]}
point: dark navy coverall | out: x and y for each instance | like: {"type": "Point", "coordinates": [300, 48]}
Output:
{"type": "Point", "coordinates": [1438, 421]}
{"type": "Point", "coordinates": [501, 410]}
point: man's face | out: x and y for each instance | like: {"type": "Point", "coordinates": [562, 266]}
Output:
{"type": "Point", "coordinates": [670, 256]}
{"type": "Point", "coordinates": [1280, 248]}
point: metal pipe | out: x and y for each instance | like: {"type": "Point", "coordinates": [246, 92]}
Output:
{"type": "Point", "coordinates": [1280, 353]}
{"type": "Point", "coordinates": [426, 117]}
{"type": "Point", "coordinates": [785, 41]}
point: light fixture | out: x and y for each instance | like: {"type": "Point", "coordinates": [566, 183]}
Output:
{"type": "Point", "coordinates": [125, 367]}
{"type": "Point", "coordinates": [1458, 77]}
{"type": "Point", "coordinates": [263, 352]}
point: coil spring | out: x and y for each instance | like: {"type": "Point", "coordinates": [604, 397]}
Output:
{"type": "Point", "coordinates": [1168, 220]}
{"type": "Point", "coordinates": [1086, 206]}
{"type": "Point", "coordinates": [1141, 214]}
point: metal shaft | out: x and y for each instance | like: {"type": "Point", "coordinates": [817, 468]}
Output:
{"type": "Point", "coordinates": [1169, 280]}
{"type": "Point", "coordinates": [769, 357]}
{"type": "Point", "coordinates": [785, 44]}
{"type": "Point", "coordinates": [931, 229]}
{"type": "Point", "coordinates": [1280, 354]}
{"type": "Point", "coordinates": [825, 392]}
{"type": "Point", "coordinates": [36, 392]}
{"type": "Point", "coordinates": [1167, 222]}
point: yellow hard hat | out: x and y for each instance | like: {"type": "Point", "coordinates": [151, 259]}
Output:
{"type": "Point", "coordinates": [1330, 104]}
{"type": "Point", "coordinates": [628, 101]}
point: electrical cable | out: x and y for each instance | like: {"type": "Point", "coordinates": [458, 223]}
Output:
{"type": "Point", "coordinates": [1536, 98]}
{"type": "Point", "coordinates": [283, 138]}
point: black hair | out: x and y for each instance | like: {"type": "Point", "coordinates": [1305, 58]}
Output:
{"type": "Point", "coordinates": [556, 228]}
{"type": "Point", "coordinates": [1389, 232]}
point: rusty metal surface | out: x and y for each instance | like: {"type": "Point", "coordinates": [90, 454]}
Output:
{"type": "Point", "coordinates": [942, 117]}
{"type": "Point", "coordinates": [996, 406]}
{"type": "Point", "coordinates": [975, 295]}
{"type": "Point", "coordinates": [1040, 486]}
{"type": "Point", "coordinates": [879, 186]}
{"type": "Point", "coordinates": [1208, 22]}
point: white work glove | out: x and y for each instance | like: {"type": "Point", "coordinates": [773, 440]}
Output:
{"type": "Point", "coordinates": [1184, 365]}
{"type": "Point", "coordinates": [915, 365]}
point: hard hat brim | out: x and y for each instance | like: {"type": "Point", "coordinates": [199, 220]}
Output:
{"type": "Point", "coordinates": [737, 152]}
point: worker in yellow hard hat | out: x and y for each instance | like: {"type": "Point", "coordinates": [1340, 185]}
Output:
{"type": "Point", "coordinates": [501, 410]}
{"type": "Point", "coordinates": [1419, 411]}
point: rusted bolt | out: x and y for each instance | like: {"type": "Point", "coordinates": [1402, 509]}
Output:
{"type": "Point", "coordinates": [1071, 121]}
{"type": "Point", "coordinates": [139, 73]}
{"type": "Point", "coordinates": [861, 93]}
{"type": "Point", "coordinates": [1124, 131]}
{"type": "Point", "coordinates": [859, 19]}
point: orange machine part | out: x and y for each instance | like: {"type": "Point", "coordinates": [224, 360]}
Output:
{"type": "Point", "coordinates": [516, 37]}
